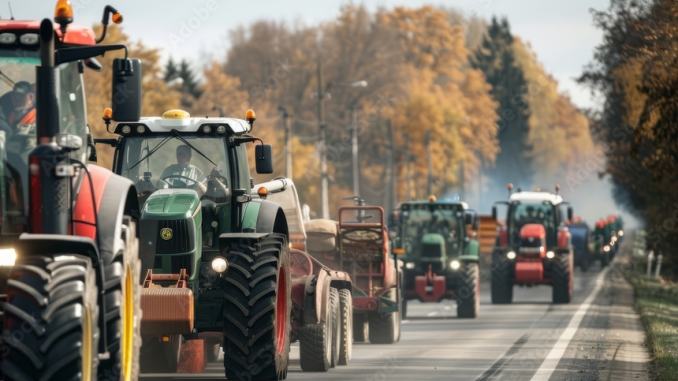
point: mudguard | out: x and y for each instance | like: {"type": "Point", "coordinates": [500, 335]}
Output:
{"type": "Point", "coordinates": [115, 197]}
{"type": "Point", "coordinates": [264, 217]}
{"type": "Point", "coordinates": [317, 293]}
{"type": "Point", "coordinates": [471, 251]}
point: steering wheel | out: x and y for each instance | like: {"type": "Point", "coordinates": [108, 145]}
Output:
{"type": "Point", "coordinates": [180, 177]}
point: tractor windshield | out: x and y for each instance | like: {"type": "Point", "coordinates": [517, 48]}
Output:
{"type": "Point", "coordinates": [18, 119]}
{"type": "Point", "coordinates": [420, 220]}
{"type": "Point", "coordinates": [161, 162]}
{"type": "Point", "coordinates": [534, 213]}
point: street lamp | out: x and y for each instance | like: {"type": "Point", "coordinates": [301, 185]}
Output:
{"type": "Point", "coordinates": [354, 141]}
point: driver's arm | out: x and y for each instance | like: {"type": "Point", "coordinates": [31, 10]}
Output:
{"type": "Point", "coordinates": [201, 181]}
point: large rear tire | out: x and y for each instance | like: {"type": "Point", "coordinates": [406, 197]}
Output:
{"type": "Point", "coordinates": [316, 344]}
{"type": "Point", "coordinates": [257, 309]}
{"type": "Point", "coordinates": [502, 287]}
{"type": "Point", "coordinates": [346, 306]}
{"type": "Point", "coordinates": [51, 320]}
{"type": "Point", "coordinates": [562, 279]}
{"type": "Point", "coordinates": [123, 308]}
{"type": "Point", "coordinates": [468, 293]}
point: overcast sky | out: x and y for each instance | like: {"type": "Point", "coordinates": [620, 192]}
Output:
{"type": "Point", "coordinates": [560, 32]}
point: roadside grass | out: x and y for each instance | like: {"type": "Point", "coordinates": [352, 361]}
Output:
{"type": "Point", "coordinates": [658, 307]}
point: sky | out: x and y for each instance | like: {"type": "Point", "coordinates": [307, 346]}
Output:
{"type": "Point", "coordinates": [560, 32]}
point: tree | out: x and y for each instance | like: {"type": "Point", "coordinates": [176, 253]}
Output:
{"type": "Point", "coordinates": [496, 59]}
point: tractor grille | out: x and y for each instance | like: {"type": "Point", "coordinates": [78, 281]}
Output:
{"type": "Point", "coordinates": [181, 241]}
{"type": "Point", "coordinates": [431, 252]}
{"type": "Point", "coordinates": [177, 263]}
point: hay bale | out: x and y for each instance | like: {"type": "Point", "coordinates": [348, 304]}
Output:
{"type": "Point", "coordinates": [321, 235]}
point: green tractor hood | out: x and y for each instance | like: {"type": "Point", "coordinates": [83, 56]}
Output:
{"type": "Point", "coordinates": [171, 204]}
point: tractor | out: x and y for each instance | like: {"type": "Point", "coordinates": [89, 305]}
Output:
{"type": "Point", "coordinates": [220, 271]}
{"type": "Point", "coordinates": [71, 268]}
{"type": "Point", "coordinates": [441, 254]}
{"type": "Point", "coordinates": [533, 247]}
{"type": "Point", "coordinates": [358, 243]}
{"type": "Point", "coordinates": [582, 245]}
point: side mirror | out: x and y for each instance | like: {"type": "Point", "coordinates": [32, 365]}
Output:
{"type": "Point", "coordinates": [494, 212]}
{"type": "Point", "coordinates": [570, 213]}
{"type": "Point", "coordinates": [126, 96]}
{"type": "Point", "coordinates": [476, 223]}
{"type": "Point", "coordinates": [263, 155]}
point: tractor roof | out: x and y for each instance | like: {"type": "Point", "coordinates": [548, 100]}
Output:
{"type": "Point", "coordinates": [75, 35]}
{"type": "Point", "coordinates": [536, 197]}
{"type": "Point", "coordinates": [198, 125]}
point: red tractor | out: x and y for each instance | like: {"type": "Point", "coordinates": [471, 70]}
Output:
{"type": "Point", "coordinates": [533, 247]}
{"type": "Point", "coordinates": [71, 269]}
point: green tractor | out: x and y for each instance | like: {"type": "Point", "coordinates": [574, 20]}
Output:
{"type": "Point", "coordinates": [440, 256]}
{"type": "Point", "coordinates": [219, 268]}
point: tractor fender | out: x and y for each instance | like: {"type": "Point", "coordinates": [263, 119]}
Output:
{"type": "Point", "coordinates": [502, 238]}
{"type": "Point", "coordinates": [317, 293]}
{"type": "Point", "coordinates": [264, 217]}
{"type": "Point", "coordinates": [564, 239]}
{"type": "Point", "coordinates": [115, 196]}
{"type": "Point", "coordinates": [472, 248]}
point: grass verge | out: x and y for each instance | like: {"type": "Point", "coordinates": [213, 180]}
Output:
{"type": "Point", "coordinates": [658, 308]}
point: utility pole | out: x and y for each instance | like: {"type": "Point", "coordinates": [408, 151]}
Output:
{"type": "Point", "coordinates": [354, 151]}
{"type": "Point", "coordinates": [324, 200]}
{"type": "Point", "coordinates": [393, 202]}
{"type": "Point", "coordinates": [407, 160]}
{"type": "Point", "coordinates": [288, 142]}
{"type": "Point", "coordinates": [427, 143]}
{"type": "Point", "coordinates": [462, 181]}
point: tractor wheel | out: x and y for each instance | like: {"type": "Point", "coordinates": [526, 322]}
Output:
{"type": "Point", "coordinates": [502, 287]}
{"type": "Point", "coordinates": [605, 259]}
{"type": "Point", "coordinates": [212, 351]}
{"type": "Point", "coordinates": [346, 306]}
{"type": "Point", "coordinates": [159, 356]}
{"type": "Point", "coordinates": [336, 326]}
{"type": "Point", "coordinates": [360, 328]}
{"type": "Point", "coordinates": [468, 293]}
{"type": "Point", "coordinates": [123, 308]}
{"type": "Point", "coordinates": [257, 309]}
{"type": "Point", "coordinates": [51, 320]}
{"type": "Point", "coordinates": [562, 279]}
{"type": "Point", "coordinates": [316, 344]}
{"type": "Point", "coordinates": [385, 328]}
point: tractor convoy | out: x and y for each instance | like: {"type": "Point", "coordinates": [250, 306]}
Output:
{"type": "Point", "coordinates": [176, 258]}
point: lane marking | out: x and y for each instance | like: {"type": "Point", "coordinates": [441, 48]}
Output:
{"type": "Point", "coordinates": [551, 361]}
{"type": "Point", "coordinates": [432, 313]}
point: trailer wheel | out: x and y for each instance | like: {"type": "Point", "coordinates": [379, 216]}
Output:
{"type": "Point", "coordinates": [336, 326]}
{"type": "Point", "coordinates": [605, 259]}
{"type": "Point", "coordinates": [562, 279]}
{"type": "Point", "coordinates": [384, 328]}
{"type": "Point", "coordinates": [316, 344]}
{"type": "Point", "coordinates": [51, 320]}
{"type": "Point", "coordinates": [502, 287]}
{"type": "Point", "coordinates": [123, 308]}
{"type": "Point", "coordinates": [468, 293]}
{"type": "Point", "coordinates": [346, 307]}
{"type": "Point", "coordinates": [360, 328]}
{"type": "Point", "coordinates": [160, 356]}
{"type": "Point", "coordinates": [257, 309]}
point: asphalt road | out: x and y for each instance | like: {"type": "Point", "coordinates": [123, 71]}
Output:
{"type": "Point", "coordinates": [530, 339]}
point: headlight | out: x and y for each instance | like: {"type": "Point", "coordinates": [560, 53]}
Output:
{"type": "Point", "coordinates": [7, 257]}
{"type": "Point", "coordinates": [550, 254]}
{"type": "Point", "coordinates": [621, 233]}
{"type": "Point", "coordinates": [614, 239]}
{"type": "Point", "coordinates": [455, 265]}
{"type": "Point", "coordinates": [511, 255]}
{"type": "Point", "coordinates": [219, 264]}
{"type": "Point", "coordinates": [606, 248]}
{"type": "Point", "coordinates": [409, 265]}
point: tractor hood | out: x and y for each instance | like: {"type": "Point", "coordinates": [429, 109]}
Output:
{"type": "Point", "coordinates": [171, 204]}
{"type": "Point", "coordinates": [433, 239]}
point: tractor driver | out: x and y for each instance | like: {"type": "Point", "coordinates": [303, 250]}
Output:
{"type": "Point", "coordinates": [187, 170]}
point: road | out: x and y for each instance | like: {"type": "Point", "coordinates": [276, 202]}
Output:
{"type": "Point", "coordinates": [596, 337]}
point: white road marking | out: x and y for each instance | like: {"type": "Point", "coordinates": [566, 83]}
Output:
{"type": "Point", "coordinates": [432, 313]}
{"type": "Point", "coordinates": [551, 361]}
